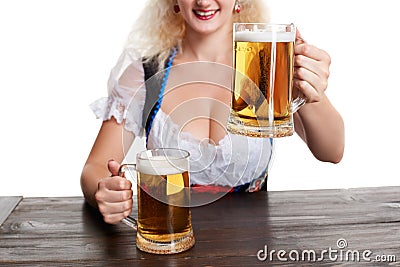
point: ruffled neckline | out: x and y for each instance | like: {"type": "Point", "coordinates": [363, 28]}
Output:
{"type": "Point", "coordinates": [172, 127]}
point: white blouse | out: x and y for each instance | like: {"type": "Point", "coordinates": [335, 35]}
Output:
{"type": "Point", "coordinates": [236, 160]}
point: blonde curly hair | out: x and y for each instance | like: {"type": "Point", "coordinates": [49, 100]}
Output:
{"type": "Point", "coordinates": [159, 29]}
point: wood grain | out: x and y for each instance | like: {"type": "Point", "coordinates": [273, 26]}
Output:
{"type": "Point", "coordinates": [229, 232]}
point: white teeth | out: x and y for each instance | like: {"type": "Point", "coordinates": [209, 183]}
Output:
{"type": "Point", "coordinates": [205, 14]}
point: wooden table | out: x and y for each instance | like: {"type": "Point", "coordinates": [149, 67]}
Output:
{"type": "Point", "coordinates": [229, 232]}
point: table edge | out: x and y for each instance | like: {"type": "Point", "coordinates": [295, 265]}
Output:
{"type": "Point", "coordinates": [7, 206]}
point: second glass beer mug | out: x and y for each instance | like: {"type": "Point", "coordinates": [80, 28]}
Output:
{"type": "Point", "coordinates": [164, 223]}
{"type": "Point", "coordinates": [262, 104]}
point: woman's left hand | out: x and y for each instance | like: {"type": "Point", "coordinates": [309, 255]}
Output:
{"type": "Point", "coordinates": [311, 70]}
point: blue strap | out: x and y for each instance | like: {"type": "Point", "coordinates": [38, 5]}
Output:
{"type": "Point", "coordinates": [154, 90]}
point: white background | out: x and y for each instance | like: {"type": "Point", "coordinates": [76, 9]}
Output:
{"type": "Point", "coordinates": [55, 58]}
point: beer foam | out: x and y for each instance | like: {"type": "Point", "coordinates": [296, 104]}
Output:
{"type": "Point", "coordinates": [161, 165]}
{"type": "Point", "coordinates": [260, 36]}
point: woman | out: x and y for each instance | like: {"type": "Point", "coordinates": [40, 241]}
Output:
{"type": "Point", "coordinates": [193, 115]}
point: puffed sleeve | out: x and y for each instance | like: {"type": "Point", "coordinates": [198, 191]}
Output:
{"type": "Point", "coordinates": [126, 91]}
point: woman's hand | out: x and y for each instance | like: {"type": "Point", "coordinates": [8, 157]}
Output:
{"type": "Point", "coordinates": [114, 195]}
{"type": "Point", "coordinates": [311, 70]}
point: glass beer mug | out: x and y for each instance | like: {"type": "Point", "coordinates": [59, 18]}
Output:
{"type": "Point", "coordinates": [164, 223]}
{"type": "Point", "coordinates": [262, 104]}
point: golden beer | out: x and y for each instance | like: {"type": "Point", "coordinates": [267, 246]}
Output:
{"type": "Point", "coordinates": [262, 84]}
{"type": "Point", "coordinates": [162, 215]}
{"type": "Point", "coordinates": [164, 219]}
{"type": "Point", "coordinates": [164, 223]}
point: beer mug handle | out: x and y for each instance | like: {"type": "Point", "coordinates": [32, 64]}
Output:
{"type": "Point", "coordinates": [129, 221]}
{"type": "Point", "coordinates": [297, 103]}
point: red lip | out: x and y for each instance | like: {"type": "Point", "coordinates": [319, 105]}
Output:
{"type": "Point", "coordinates": [205, 17]}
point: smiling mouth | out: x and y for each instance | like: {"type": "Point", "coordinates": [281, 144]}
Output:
{"type": "Point", "coordinates": [205, 14]}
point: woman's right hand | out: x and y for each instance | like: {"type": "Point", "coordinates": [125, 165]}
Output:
{"type": "Point", "coordinates": [114, 195]}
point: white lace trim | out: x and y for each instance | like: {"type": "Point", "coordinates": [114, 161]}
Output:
{"type": "Point", "coordinates": [105, 108]}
